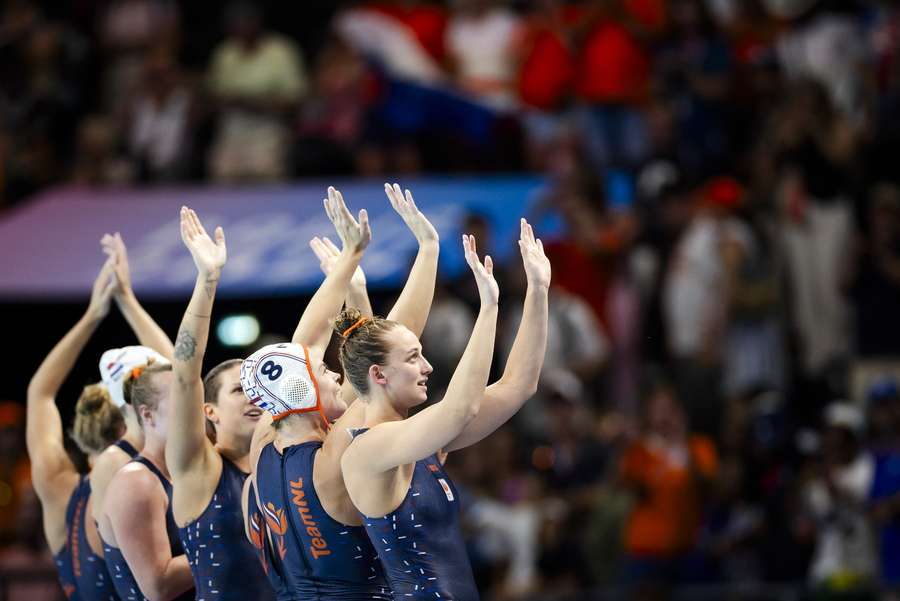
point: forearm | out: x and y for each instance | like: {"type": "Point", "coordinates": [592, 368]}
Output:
{"type": "Point", "coordinates": [186, 423]}
{"type": "Point", "coordinates": [358, 298]}
{"type": "Point", "coordinates": [144, 327]}
{"type": "Point", "coordinates": [414, 303]}
{"type": "Point", "coordinates": [193, 333]}
{"type": "Point", "coordinates": [526, 357]}
{"type": "Point", "coordinates": [173, 579]}
{"type": "Point", "coordinates": [53, 371]}
{"type": "Point", "coordinates": [314, 328]}
{"type": "Point", "coordinates": [468, 382]}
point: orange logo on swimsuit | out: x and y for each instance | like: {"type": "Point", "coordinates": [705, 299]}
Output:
{"type": "Point", "coordinates": [257, 537]}
{"type": "Point", "coordinates": [276, 521]}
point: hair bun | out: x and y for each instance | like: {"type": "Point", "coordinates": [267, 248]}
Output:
{"type": "Point", "coordinates": [346, 320]}
{"type": "Point", "coordinates": [92, 400]}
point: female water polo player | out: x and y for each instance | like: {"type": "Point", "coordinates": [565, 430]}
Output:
{"type": "Point", "coordinates": [299, 515]}
{"type": "Point", "coordinates": [67, 498]}
{"type": "Point", "coordinates": [393, 469]}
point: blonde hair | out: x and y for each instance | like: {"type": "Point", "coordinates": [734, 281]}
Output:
{"type": "Point", "coordinates": [363, 344]}
{"type": "Point", "coordinates": [138, 389]}
{"type": "Point", "coordinates": [98, 422]}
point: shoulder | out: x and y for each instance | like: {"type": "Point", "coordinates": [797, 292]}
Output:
{"type": "Point", "coordinates": [107, 463]}
{"type": "Point", "coordinates": [134, 481]}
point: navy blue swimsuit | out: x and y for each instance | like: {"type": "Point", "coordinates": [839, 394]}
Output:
{"type": "Point", "coordinates": [123, 578]}
{"type": "Point", "coordinates": [420, 543]}
{"type": "Point", "coordinates": [69, 556]}
{"type": "Point", "coordinates": [318, 557]}
{"type": "Point", "coordinates": [259, 534]}
{"type": "Point", "coordinates": [222, 563]}
{"type": "Point", "coordinates": [80, 569]}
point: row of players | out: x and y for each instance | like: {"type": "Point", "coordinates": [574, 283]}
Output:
{"type": "Point", "coordinates": [269, 477]}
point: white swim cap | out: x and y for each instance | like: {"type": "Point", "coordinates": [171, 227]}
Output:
{"type": "Point", "coordinates": [117, 362]}
{"type": "Point", "coordinates": [279, 378]}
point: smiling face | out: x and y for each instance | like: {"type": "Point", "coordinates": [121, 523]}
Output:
{"type": "Point", "coordinates": [404, 376]}
{"type": "Point", "coordinates": [226, 406]}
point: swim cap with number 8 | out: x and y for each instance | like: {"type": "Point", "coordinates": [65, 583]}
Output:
{"type": "Point", "coordinates": [278, 378]}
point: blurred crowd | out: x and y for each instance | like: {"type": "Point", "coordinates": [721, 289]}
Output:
{"type": "Point", "coordinates": [720, 404]}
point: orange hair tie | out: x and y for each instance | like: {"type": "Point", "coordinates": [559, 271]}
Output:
{"type": "Point", "coordinates": [136, 373]}
{"type": "Point", "coordinates": [358, 323]}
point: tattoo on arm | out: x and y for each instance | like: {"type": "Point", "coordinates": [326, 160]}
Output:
{"type": "Point", "coordinates": [210, 287]}
{"type": "Point", "coordinates": [185, 345]}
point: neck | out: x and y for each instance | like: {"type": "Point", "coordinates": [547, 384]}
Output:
{"type": "Point", "coordinates": [235, 448]}
{"type": "Point", "coordinates": [155, 450]}
{"type": "Point", "coordinates": [133, 432]}
{"type": "Point", "coordinates": [300, 428]}
{"type": "Point", "coordinates": [379, 409]}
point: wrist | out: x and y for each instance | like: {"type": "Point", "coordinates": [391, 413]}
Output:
{"type": "Point", "coordinates": [429, 246]}
{"type": "Point", "coordinates": [537, 288]}
{"type": "Point", "coordinates": [209, 277]}
{"type": "Point", "coordinates": [126, 297]}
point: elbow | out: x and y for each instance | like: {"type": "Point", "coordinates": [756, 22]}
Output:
{"type": "Point", "coordinates": [160, 591]}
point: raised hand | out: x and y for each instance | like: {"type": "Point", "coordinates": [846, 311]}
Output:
{"type": "Point", "coordinates": [209, 256]}
{"type": "Point", "coordinates": [328, 254]}
{"type": "Point", "coordinates": [355, 236]}
{"type": "Point", "coordinates": [114, 247]}
{"type": "Point", "coordinates": [411, 215]}
{"type": "Point", "coordinates": [488, 289]}
{"type": "Point", "coordinates": [537, 265]}
{"type": "Point", "coordinates": [102, 291]}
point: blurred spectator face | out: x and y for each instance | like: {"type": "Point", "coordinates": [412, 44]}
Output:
{"type": "Point", "coordinates": [839, 445]}
{"type": "Point", "coordinates": [160, 75]}
{"type": "Point", "coordinates": [664, 413]}
{"type": "Point", "coordinates": [244, 22]}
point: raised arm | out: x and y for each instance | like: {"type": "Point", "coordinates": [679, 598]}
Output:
{"type": "Point", "coordinates": [51, 470]}
{"type": "Point", "coordinates": [144, 327]}
{"type": "Point", "coordinates": [392, 444]}
{"type": "Point", "coordinates": [187, 446]}
{"type": "Point", "coordinates": [526, 358]}
{"type": "Point", "coordinates": [314, 329]}
{"type": "Point", "coordinates": [414, 303]}
{"type": "Point", "coordinates": [328, 255]}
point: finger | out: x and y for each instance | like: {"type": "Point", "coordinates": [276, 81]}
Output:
{"type": "Point", "coordinates": [489, 264]}
{"type": "Point", "coordinates": [182, 224]}
{"type": "Point", "coordinates": [398, 194]}
{"type": "Point", "coordinates": [327, 209]}
{"type": "Point", "coordinates": [331, 246]}
{"type": "Point", "coordinates": [540, 246]}
{"type": "Point", "coordinates": [389, 192]}
{"type": "Point", "coordinates": [318, 248]}
{"type": "Point", "coordinates": [412, 203]}
{"type": "Point", "coordinates": [530, 232]}
{"type": "Point", "coordinates": [220, 237]}
{"type": "Point", "coordinates": [200, 229]}
{"type": "Point", "coordinates": [190, 226]}
{"type": "Point", "coordinates": [364, 227]}
{"type": "Point", "coordinates": [342, 207]}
